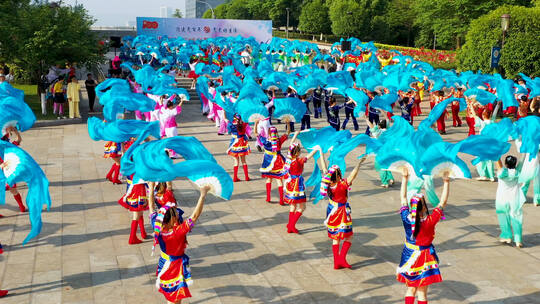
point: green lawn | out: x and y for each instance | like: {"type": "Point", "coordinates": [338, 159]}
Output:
{"type": "Point", "coordinates": [32, 99]}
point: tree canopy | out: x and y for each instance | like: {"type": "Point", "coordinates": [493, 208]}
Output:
{"type": "Point", "coordinates": [45, 35]}
{"type": "Point", "coordinates": [521, 51]}
{"type": "Point", "coordinates": [314, 18]}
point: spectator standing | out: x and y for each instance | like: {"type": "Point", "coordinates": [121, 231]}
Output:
{"type": "Point", "coordinates": [73, 91]}
{"type": "Point", "coordinates": [59, 98]}
{"type": "Point", "coordinates": [43, 84]}
{"type": "Point", "coordinates": [91, 84]}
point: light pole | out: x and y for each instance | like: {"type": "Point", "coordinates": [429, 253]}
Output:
{"type": "Point", "coordinates": [505, 23]}
{"type": "Point", "coordinates": [287, 30]}
{"type": "Point", "coordinates": [211, 8]}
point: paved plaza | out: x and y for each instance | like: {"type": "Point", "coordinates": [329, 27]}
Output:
{"type": "Point", "coordinates": [240, 251]}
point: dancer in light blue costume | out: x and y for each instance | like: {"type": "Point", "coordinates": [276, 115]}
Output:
{"type": "Point", "coordinates": [484, 168]}
{"type": "Point", "coordinates": [387, 179]}
{"type": "Point", "coordinates": [531, 173]}
{"type": "Point", "coordinates": [509, 201]}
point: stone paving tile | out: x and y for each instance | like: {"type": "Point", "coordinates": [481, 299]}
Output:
{"type": "Point", "coordinates": [240, 251]}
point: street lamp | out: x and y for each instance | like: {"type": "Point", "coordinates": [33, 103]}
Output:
{"type": "Point", "coordinates": [505, 23]}
{"type": "Point", "coordinates": [210, 6]}
{"type": "Point", "coordinates": [287, 30]}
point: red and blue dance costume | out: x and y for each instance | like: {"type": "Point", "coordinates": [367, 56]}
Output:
{"type": "Point", "coordinates": [419, 264]}
{"type": "Point", "coordinates": [174, 275]}
{"type": "Point", "coordinates": [239, 145]}
{"type": "Point", "coordinates": [295, 189]}
{"type": "Point", "coordinates": [17, 196]}
{"type": "Point", "coordinates": [136, 197]}
{"type": "Point", "coordinates": [338, 213]}
{"type": "Point", "coordinates": [112, 150]}
{"type": "Point", "coordinates": [273, 165]}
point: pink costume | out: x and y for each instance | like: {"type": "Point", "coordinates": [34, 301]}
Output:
{"type": "Point", "coordinates": [262, 130]}
{"type": "Point", "coordinates": [167, 118]}
{"type": "Point", "coordinates": [138, 114]}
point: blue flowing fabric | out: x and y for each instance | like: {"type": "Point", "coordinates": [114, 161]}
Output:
{"type": "Point", "coordinates": [384, 102]}
{"type": "Point", "coordinates": [7, 89]}
{"type": "Point", "coordinates": [505, 92]}
{"type": "Point", "coordinates": [251, 90]}
{"type": "Point", "coordinates": [528, 129]}
{"type": "Point", "coordinates": [339, 81]}
{"type": "Point", "coordinates": [315, 79]}
{"type": "Point", "coordinates": [289, 108]}
{"type": "Point", "coordinates": [324, 139]}
{"type": "Point", "coordinates": [120, 130]}
{"type": "Point", "coordinates": [361, 100]}
{"type": "Point", "coordinates": [276, 80]}
{"type": "Point", "coordinates": [116, 96]}
{"type": "Point", "coordinates": [533, 84]}
{"type": "Point", "coordinates": [400, 128]}
{"type": "Point", "coordinates": [483, 97]}
{"type": "Point", "coordinates": [435, 114]}
{"type": "Point", "coordinates": [338, 154]}
{"type": "Point", "coordinates": [21, 167]}
{"type": "Point", "coordinates": [483, 147]}
{"type": "Point", "coordinates": [442, 156]}
{"type": "Point", "coordinates": [369, 79]}
{"type": "Point", "coordinates": [503, 130]}
{"type": "Point", "coordinates": [462, 102]}
{"type": "Point", "coordinates": [15, 112]}
{"type": "Point", "coordinates": [251, 110]}
{"type": "Point", "coordinates": [201, 87]}
{"type": "Point", "coordinates": [397, 153]}
{"type": "Point", "coordinates": [149, 162]}
{"type": "Point", "coordinates": [226, 105]}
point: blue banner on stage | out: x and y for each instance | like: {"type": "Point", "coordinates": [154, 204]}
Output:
{"type": "Point", "coordinates": [261, 30]}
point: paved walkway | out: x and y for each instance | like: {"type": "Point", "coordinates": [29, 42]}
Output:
{"type": "Point", "coordinates": [240, 251]}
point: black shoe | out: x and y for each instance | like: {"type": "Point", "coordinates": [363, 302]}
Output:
{"type": "Point", "coordinates": [259, 148]}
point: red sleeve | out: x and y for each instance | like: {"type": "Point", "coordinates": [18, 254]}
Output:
{"type": "Point", "coordinates": [435, 216]}
{"type": "Point", "coordinates": [283, 138]}
{"type": "Point", "coordinates": [185, 227]}
{"type": "Point", "coordinates": [303, 160]}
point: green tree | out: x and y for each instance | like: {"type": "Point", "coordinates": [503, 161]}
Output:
{"type": "Point", "coordinates": [259, 9]}
{"type": "Point", "coordinates": [177, 13]}
{"type": "Point", "coordinates": [314, 18]}
{"type": "Point", "coordinates": [349, 18]}
{"type": "Point", "coordinates": [238, 9]}
{"type": "Point", "coordinates": [400, 18]}
{"type": "Point", "coordinates": [47, 35]}
{"type": "Point", "coordinates": [521, 51]}
{"type": "Point", "coordinates": [278, 12]}
{"type": "Point", "coordinates": [448, 20]}
{"type": "Point", "coordinates": [220, 12]}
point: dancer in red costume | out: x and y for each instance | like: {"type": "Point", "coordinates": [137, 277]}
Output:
{"type": "Point", "coordinates": [174, 277]}
{"type": "Point", "coordinates": [113, 151]}
{"type": "Point", "coordinates": [239, 146]}
{"type": "Point", "coordinates": [136, 201]}
{"type": "Point", "coordinates": [419, 266]}
{"type": "Point", "coordinates": [295, 195]}
{"type": "Point", "coordinates": [12, 131]}
{"type": "Point", "coordinates": [338, 213]}
{"type": "Point", "coordinates": [273, 165]}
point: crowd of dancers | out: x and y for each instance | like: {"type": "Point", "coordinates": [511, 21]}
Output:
{"type": "Point", "coordinates": [248, 89]}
